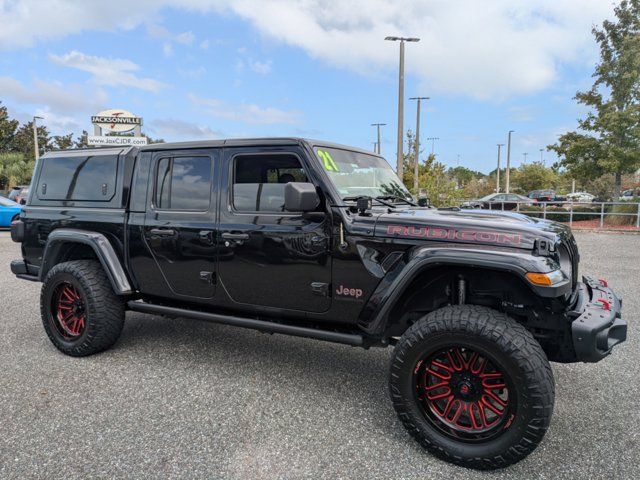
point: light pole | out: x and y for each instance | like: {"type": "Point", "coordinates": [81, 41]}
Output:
{"type": "Point", "coordinates": [506, 187]}
{"type": "Point", "coordinates": [433, 143]}
{"type": "Point", "coordinates": [400, 157]}
{"type": "Point", "coordinates": [500, 145]}
{"type": "Point", "coordinates": [378, 125]}
{"type": "Point", "coordinates": [541, 160]}
{"type": "Point", "coordinates": [35, 137]}
{"type": "Point", "coordinates": [417, 160]}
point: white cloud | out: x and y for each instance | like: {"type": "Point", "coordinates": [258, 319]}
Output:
{"type": "Point", "coordinates": [196, 72]}
{"type": "Point", "coordinates": [56, 123]}
{"type": "Point", "coordinates": [107, 71]}
{"type": "Point", "coordinates": [171, 129]}
{"type": "Point", "coordinates": [262, 68]}
{"type": "Point", "coordinates": [185, 38]}
{"type": "Point", "coordinates": [245, 112]}
{"type": "Point", "coordinates": [484, 49]}
{"type": "Point", "coordinates": [61, 98]}
{"type": "Point", "coordinates": [167, 49]}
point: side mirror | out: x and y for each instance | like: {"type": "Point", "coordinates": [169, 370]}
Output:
{"type": "Point", "coordinates": [300, 197]}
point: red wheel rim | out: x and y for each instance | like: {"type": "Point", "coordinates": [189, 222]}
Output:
{"type": "Point", "coordinates": [464, 394]}
{"type": "Point", "coordinates": [69, 312]}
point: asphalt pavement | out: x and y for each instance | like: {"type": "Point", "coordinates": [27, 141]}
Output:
{"type": "Point", "coordinates": [188, 399]}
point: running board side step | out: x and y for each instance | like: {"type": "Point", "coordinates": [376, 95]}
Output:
{"type": "Point", "coordinates": [262, 325]}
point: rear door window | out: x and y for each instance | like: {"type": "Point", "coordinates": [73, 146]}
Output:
{"type": "Point", "coordinates": [183, 183]}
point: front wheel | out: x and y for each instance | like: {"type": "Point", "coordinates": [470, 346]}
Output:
{"type": "Point", "coordinates": [472, 386]}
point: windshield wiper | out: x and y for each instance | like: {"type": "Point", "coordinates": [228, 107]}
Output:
{"type": "Point", "coordinates": [380, 200]}
{"type": "Point", "coordinates": [396, 197]}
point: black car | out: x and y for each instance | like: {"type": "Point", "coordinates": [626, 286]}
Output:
{"type": "Point", "coordinates": [314, 239]}
{"type": "Point", "coordinates": [542, 195]}
{"type": "Point", "coordinates": [499, 201]}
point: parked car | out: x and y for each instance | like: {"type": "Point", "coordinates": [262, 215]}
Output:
{"type": "Point", "coordinates": [23, 195]}
{"type": "Point", "coordinates": [499, 201]}
{"type": "Point", "coordinates": [9, 211]}
{"type": "Point", "coordinates": [583, 197]}
{"type": "Point", "coordinates": [629, 195]}
{"type": "Point", "coordinates": [542, 195]}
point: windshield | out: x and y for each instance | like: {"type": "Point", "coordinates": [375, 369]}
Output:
{"type": "Point", "coordinates": [357, 174]}
{"type": "Point", "coordinates": [5, 202]}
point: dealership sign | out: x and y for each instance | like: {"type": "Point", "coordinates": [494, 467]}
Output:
{"type": "Point", "coordinates": [115, 140]}
{"type": "Point", "coordinates": [116, 121]}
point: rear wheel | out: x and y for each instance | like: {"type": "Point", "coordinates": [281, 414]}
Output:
{"type": "Point", "coordinates": [472, 386]}
{"type": "Point", "coordinates": [80, 312]}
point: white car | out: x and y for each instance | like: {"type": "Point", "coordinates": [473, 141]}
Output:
{"type": "Point", "coordinates": [582, 197]}
{"type": "Point", "coordinates": [629, 195]}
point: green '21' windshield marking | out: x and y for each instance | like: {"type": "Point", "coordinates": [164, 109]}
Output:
{"type": "Point", "coordinates": [329, 164]}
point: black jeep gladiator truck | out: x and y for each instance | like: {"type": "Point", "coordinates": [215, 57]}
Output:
{"type": "Point", "coordinates": [323, 241]}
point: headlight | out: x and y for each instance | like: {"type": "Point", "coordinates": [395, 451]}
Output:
{"type": "Point", "coordinates": [545, 279]}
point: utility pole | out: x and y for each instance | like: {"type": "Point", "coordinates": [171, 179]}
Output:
{"type": "Point", "coordinates": [433, 143]}
{"type": "Point", "coordinates": [500, 145]}
{"type": "Point", "coordinates": [525, 157]}
{"type": "Point", "coordinates": [506, 187]}
{"type": "Point", "coordinates": [35, 137]}
{"type": "Point", "coordinates": [417, 160]}
{"type": "Point", "coordinates": [378, 125]}
{"type": "Point", "coordinates": [400, 157]}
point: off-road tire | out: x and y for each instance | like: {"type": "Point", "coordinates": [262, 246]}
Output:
{"type": "Point", "coordinates": [105, 311]}
{"type": "Point", "coordinates": [512, 347]}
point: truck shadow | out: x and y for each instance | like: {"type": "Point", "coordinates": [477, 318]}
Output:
{"type": "Point", "coordinates": [306, 367]}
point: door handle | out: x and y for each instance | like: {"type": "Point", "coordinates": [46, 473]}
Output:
{"type": "Point", "coordinates": [235, 236]}
{"type": "Point", "coordinates": [162, 232]}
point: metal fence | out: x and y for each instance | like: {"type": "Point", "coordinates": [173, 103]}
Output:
{"type": "Point", "coordinates": [588, 215]}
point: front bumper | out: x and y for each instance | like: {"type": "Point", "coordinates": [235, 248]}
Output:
{"type": "Point", "coordinates": [598, 326]}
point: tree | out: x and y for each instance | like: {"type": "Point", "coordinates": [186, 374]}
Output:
{"type": "Point", "coordinates": [153, 140]}
{"type": "Point", "coordinates": [8, 129]}
{"type": "Point", "coordinates": [63, 142]}
{"type": "Point", "coordinates": [81, 140]}
{"type": "Point", "coordinates": [15, 169]}
{"type": "Point", "coordinates": [23, 140]}
{"type": "Point", "coordinates": [534, 176]}
{"type": "Point", "coordinates": [464, 175]}
{"type": "Point", "coordinates": [609, 136]}
{"type": "Point", "coordinates": [432, 176]}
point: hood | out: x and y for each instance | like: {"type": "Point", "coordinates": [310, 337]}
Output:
{"type": "Point", "coordinates": [476, 227]}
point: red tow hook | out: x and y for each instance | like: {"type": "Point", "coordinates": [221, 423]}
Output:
{"type": "Point", "coordinates": [603, 282]}
{"type": "Point", "coordinates": [605, 303]}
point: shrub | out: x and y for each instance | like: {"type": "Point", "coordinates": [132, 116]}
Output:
{"type": "Point", "coordinates": [585, 210]}
{"type": "Point", "coordinates": [557, 213]}
{"type": "Point", "coordinates": [631, 209]}
{"type": "Point", "coordinates": [531, 211]}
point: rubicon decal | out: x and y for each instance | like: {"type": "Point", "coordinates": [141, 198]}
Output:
{"type": "Point", "coordinates": [465, 235]}
{"type": "Point", "coordinates": [349, 292]}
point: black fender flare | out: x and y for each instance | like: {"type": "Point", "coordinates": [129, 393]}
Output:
{"type": "Point", "coordinates": [375, 315]}
{"type": "Point", "coordinates": [100, 245]}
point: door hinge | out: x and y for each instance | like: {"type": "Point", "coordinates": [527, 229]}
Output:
{"type": "Point", "coordinates": [320, 289]}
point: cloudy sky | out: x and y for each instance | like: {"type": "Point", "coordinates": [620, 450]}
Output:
{"type": "Point", "coordinates": [197, 69]}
